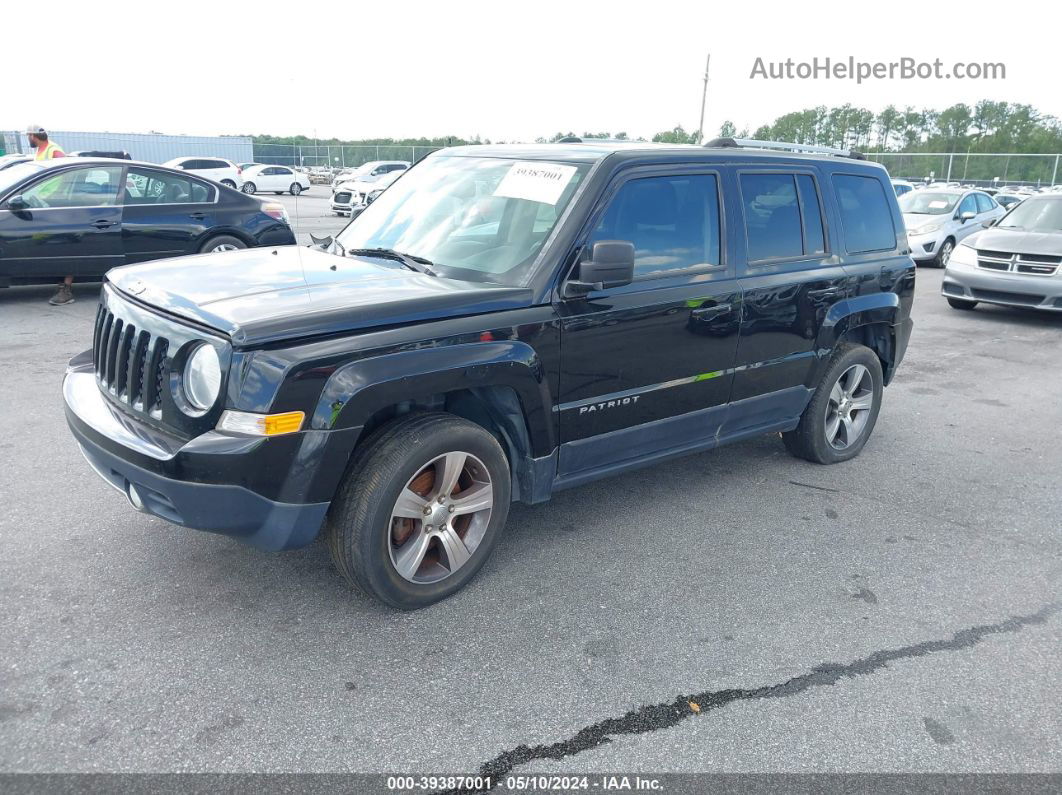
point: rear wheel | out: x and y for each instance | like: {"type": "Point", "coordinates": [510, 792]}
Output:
{"type": "Point", "coordinates": [420, 509]}
{"type": "Point", "coordinates": [249, 188]}
{"type": "Point", "coordinates": [228, 183]}
{"type": "Point", "coordinates": [222, 243]}
{"type": "Point", "coordinates": [958, 303]}
{"type": "Point", "coordinates": [946, 249]}
{"type": "Point", "coordinates": [841, 416]}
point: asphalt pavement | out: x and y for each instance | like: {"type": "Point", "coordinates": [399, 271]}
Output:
{"type": "Point", "coordinates": [738, 610]}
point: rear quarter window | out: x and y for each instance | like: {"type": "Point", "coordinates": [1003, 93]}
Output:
{"type": "Point", "coordinates": [866, 218]}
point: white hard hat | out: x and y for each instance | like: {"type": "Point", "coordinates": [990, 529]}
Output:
{"type": "Point", "coordinates": [35, 129]}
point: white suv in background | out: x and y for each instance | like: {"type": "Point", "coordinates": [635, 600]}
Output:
{"type": "Point", "coordinates": [279, 179]}
{"type": "Point", "coordinates": [938, 219]}
{"type": "Point", "coordinates": [369, 172]}
{"type": "Point", "coordinates": [218, 169]}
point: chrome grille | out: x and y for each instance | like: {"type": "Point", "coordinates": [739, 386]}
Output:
{"type": "Point", "coordinates": [130, 363]}
{"type": "Point", "coordinates": [1028, 264]}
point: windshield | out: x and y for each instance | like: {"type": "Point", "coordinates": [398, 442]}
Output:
{"type": "Point", "coordinates": [1035, 215]}
{"type": "Point", "coordinates": [922, 202]}
{"type": "Point", "coordinates": [474, 218]}
{"type": "Point", "coordinates": [10, 176]}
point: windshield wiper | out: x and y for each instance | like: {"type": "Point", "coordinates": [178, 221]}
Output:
{"type": "Point", "coordinates": [411, 261]}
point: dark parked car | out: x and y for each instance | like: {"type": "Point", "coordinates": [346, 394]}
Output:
{"type": "Point", "coordinates": [502, 323]}
{"type": "Point", "coordinates": [82, 217]}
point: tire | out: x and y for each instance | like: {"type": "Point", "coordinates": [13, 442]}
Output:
{"type": "Point", "coordinates": [958, 303]}
{"type": "Point", "coordinates": [377, 551]}
{"type": "Point", "coordinates": [295, 189]}
{"type": "Point", "coordinates": [228, 183]}
{"type": "Point", "coordinates": [946, 249]}
{"type": "Point", "coordinates": [816, 438]}
{"type": "Point", "coordinates": [222, 243]}
{"type": "Point", "coordinates": [249, 188]}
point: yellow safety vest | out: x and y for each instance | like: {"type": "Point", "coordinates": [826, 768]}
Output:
{"type": "Point", "coordinates": [48, 152]}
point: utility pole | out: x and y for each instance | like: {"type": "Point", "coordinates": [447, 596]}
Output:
{"type": "Point", "coordinates": [704, 99]}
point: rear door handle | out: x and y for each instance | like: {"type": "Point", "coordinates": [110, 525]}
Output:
{"type": "Point", "coordinates": [197, 216]}
{"type": "Point", "coordinates": [826, 292]}
{"type": "Point", "coordinates": [102, 223]}
{"type": "Point", "coordinates": [708, 312]}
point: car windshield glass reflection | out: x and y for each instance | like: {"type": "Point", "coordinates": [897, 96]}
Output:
{"type": "Point", "coordinates": [1035, 215]}
{"type": "Point", "coordinates": [475, 218]}
{"type": "Point", "coordinates": [923, 203]}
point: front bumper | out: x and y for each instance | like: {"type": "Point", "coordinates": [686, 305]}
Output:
{"type": "Point", "coordinates": [1003, 288]}
{"type": "Point", "coordinates": [925, 247]}
{"type": "Point", "coordinates": [195, 483]}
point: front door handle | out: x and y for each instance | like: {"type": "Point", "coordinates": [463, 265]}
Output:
{"type": "Point", "coordinates": [826, 292]}
{"type": "Point", "coordinates": [708, 312]}
{"type": "Point", "coordinates": [102, 223]}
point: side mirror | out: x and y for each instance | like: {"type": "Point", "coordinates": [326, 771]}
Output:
{"type": "Point", "coordinates": [17, 204]}
{"type": "Point", "coordinates": [611, 264]}
{"type": "Point", "coordinates": [967, 217]}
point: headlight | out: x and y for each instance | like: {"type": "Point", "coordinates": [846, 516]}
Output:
{"type": "Point", "coordinates": [925, 229]}
{"type": "Point", "coordinates": [202, 378]}
{"type": "Point", "coordinates": [963, 254]}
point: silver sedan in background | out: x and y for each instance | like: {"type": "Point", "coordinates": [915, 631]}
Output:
{"type": "Point", "coordinates": [939, 219]}
{"type": "Point", "coordinates": [1017, 262]}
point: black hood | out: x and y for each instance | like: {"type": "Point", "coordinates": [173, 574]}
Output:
{"type": "Point", "coordinates": [260, 295]}
{"type": "Point", "coordinates": [266, 294]}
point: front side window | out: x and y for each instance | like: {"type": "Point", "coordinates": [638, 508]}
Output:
{"type": "Point", "coordinates": [145, 186]}
{"type": "Point", "coordinates": [866, 219]}
{"type": "Point", "coordinates": [672, 221]}
{"type": "Point", "coordinates": [968, 205]}
{"type": "Point", "coordinates": [83, 187]}
{"type": "Point", "coordinates": [984, 204]}
{"type": "Point", "coordinates": [475, 218]}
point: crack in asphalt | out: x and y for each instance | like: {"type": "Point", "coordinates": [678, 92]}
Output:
{"type": "Point", "coordinates": [654, 717]}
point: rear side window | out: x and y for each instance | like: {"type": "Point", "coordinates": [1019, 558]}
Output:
{"type": "Point", "coordinates": [146, 186]}
{"type": "Point", "coordinates": [783, 216]}
{"type": "Point", "coordinates": [673, 222]}
{"type": "Point", "coordinates": [866, 219]}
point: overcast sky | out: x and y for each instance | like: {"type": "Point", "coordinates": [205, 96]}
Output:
{"type": "Point", "coordinates": [504, 70]}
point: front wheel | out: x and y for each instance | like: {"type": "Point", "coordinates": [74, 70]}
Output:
{"type": "Point", "coordinates": [249, 188]}
{"type": "Point", "coordinates": [841, 416]}
{"type": "Point", "coordinates": [295, 189]}
{"type": "Point", "coordinates": [946, 249]}
{"type": "Point", "coordinates": [420, 509]}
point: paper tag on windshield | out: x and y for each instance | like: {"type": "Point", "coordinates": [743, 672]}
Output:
{"type": "Point", "coordinates": [537, 182]}
{"type": "Point", "coordinates": [937, 205]}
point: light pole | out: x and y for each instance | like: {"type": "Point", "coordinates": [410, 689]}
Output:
{"type": "Point", "coordinates": [704, 99]}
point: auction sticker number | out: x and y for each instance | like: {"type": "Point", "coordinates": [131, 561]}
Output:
{"type": "Point", "coordinates": [537, 182]}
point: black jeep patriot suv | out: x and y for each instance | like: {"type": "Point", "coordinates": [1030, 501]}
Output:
{"type": "Point", "coordinates": [503, 322]}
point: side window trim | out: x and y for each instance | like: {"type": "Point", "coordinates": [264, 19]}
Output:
{"type": "Point", "coordinates": [624, 176]}
{"type": "Point", "coordinates": [803, 257]}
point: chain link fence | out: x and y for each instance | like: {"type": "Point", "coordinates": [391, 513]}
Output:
{"type": "Point", "coordinates": [985, 170]}
{"type": "Point", "coordinates": [334, 156]}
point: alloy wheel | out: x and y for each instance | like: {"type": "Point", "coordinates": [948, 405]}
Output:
{"type": "Point", "coordinates": [945, 253]}
{"type": "Point", "coordinates": [223, 247]}
{"type": "Point", "coordinates": [849, 407]}
{"type": "Point", "coordinates": [440, 517]}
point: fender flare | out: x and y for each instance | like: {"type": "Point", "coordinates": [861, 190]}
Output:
{"type": "Point", "coordinates": [877, 309]}
{"type": "Point", "coordinates": [356, 390]}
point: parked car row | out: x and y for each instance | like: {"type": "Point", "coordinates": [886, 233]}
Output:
{"type": "Point", "coordinates": [353, 196]}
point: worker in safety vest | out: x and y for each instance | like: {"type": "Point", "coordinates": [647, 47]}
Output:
{"type": "Point", "coordinates": [47, 150]}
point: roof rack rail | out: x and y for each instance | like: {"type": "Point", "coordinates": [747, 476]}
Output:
{"type": "Point", "coordinates": [578, 139]}
{"type": "Point", "coordinates": [749, 143]}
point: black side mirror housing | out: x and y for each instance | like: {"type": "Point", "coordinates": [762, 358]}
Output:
{"type": "Point", "coordinates": [611, 264]}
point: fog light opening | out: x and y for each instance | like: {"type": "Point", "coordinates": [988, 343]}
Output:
{"type": "Point", "coordinates": [134, 498]}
